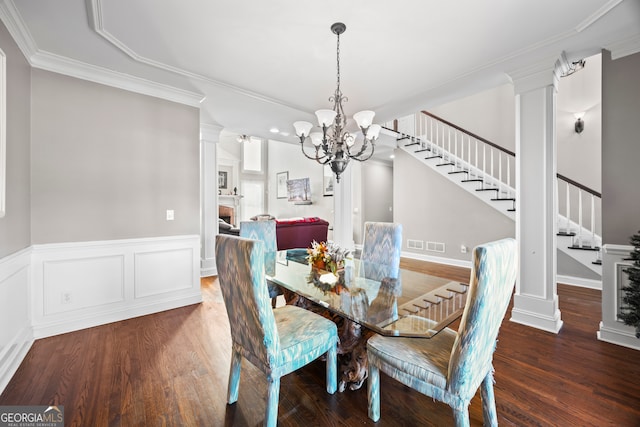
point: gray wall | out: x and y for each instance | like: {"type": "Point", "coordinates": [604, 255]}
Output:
{"type": "Point", "coordinates": [14, 227]}
{"type": "Point", "coordinates": [620, 148]}
{"type": "Point", "coordinates": [107, 163]}
{"type": "Point", "coordinates": [433, 209]}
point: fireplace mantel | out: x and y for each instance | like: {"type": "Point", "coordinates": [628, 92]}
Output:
{"type": "Point", "coordinates": [229, 200]}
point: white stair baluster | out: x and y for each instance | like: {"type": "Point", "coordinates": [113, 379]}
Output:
{"type": "Point", "coordinates": [579, 218]}
{"type": "Point", "coordinates": [568, 208]}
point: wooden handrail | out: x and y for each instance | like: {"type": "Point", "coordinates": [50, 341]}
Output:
{"type": "Point", "coordinates": [580, 186]}
{"type": "Point", "coordinates": [494, 145]}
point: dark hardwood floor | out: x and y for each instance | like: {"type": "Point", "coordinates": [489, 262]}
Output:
{"type": "Point", "coordinates": [171, 369]}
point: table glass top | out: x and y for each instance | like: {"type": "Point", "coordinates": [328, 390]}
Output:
{"type": "Point", "coordinates": [414, 304]}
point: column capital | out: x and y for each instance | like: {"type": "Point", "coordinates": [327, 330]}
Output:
{"type": "Point", "coordinates": [210, 132]}
{"type": "Point", "coordinates": [543, 73]}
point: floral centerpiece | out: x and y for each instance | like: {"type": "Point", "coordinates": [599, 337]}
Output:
{"type": "Point", "coordinates": [327, 256]}
{"type": "Point", "coordinates": [327, 262]}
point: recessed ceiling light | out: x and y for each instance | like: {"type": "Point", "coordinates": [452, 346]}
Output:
{"type": "Point", "coordinates": [274, 130]}
{"type": "Point", "coordinates": [392, 156]}
{"type": "Point", "coordinates": [284, 133]}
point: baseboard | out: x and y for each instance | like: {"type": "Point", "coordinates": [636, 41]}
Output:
{"type": "Point", "coordinates": [580, 282]}
{"type": "Point", "coordinates": [615, 336]}
{"type": "Point", "coordinates": [88, 320]}
{"type": "Point", "coordinates": [437, 259]}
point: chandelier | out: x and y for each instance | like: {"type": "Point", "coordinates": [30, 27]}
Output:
{"type": "Point", "coordinates": [335, 145]}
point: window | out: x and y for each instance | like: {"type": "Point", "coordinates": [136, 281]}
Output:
{"type": "Point", "coordinates": [252, 155]}
{"type": "Point", "coordinates": [253, 201]}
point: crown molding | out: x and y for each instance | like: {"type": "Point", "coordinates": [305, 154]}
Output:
{"type": "Point", "coordinates": [96, 22]}
{"type": "Point", "coordinates": [15, 25]}
{"type": "Point", "coordinates": [590, 20]}
{"type": "Point", "coordinates": [210, 132]}
{"type": "Point", "coordinates": [625, 47]}
{"type": "Point", "coordinates": [81, 70]}
{"type": "Point", "coordinates": [51, 62]}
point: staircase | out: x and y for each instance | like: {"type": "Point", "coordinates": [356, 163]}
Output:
{"type": "Point", "coordinates": [487, 171]}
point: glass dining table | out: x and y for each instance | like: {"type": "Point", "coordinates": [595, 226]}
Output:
{"type": "Point", "coordinates": [412, 305]}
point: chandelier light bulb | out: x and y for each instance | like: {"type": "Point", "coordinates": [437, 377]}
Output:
{"type": "Point", "coordinates": [316, 138]}
{"type": "Point", "coordinates": [364, 118]}
{"type": "Point", "coordinates": [302, 128]}
{"type": "Point", "coordinates": [326, 117]}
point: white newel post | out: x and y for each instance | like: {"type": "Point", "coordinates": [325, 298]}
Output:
{"type": "Point", "coordinates": [209, 137]}
{"type": "Point", "coordinates": [343, 208]}
{"type": "Point", "coordinates": [536, 298]}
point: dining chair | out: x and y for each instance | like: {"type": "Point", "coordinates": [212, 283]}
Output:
{"type": "Point", "coordinates": [381, 246]}
{"type": "Point", "coordinates": [265, 230]}
{"type": "Point", "coordinates": [450, 367]}
{"type": "Point", "coordinates": [276, 341]}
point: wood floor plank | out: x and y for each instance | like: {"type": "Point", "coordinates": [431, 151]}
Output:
{"type": "Point", "coordinates": [171, 369]}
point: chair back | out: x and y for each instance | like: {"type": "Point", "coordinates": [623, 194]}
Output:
{"type": "Point", "coordinates": [491, 284]}
{"type": "Point", "coordinates": [240, 264]}
{"type": "Point", "coordinates": [265, 231]}
{"type": "Point", "coordinates": [381, 246]}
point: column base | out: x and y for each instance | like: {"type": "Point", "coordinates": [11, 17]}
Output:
{"type": "Point", "coordinates": [536, 313]}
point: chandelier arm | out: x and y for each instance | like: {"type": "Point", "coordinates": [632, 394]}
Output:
{"type": "Point", "coordinates": [364, 147]}
{"type": "Point", "coordinates": [316, 157]}
{"type": "Point", "coordinates": [373, 148]}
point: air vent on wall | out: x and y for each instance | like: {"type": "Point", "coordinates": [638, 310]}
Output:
{"type": "Point", "coordinates": [415, 244]}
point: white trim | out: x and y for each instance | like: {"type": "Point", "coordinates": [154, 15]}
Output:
{"type": "Point", "coordinates": [590, 20]}
{"type": "Point", "coordinates": [51, 62]}
{"type": "Point", "coordinates": [437, 259]}
{"type": "Point", "coordinates": [96, 22]}
{"type": "Point", "coordinates": [71, 67]}
{"type": "Point", "coordinates": [580, 282]}
{"type": "Point", "coordinates": [14, 289]}
{"type": "Point", "coordinates": [111, 280]}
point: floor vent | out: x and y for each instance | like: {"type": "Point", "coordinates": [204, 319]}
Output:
{"type": "Point", "coordinates": [415, 244]}
{"type": "Point", "coordinates": [435, 247]}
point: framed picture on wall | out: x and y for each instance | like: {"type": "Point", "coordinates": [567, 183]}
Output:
{"type": "Point", "coordinates": [327, 181]}
{"type": "Point", "coordinates": [281, 184]}
{"type": "Point", "coordinates": [222, 179]}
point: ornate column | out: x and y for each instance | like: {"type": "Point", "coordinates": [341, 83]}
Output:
{"type": "Point", "coordinates": [209, 137]}
{"type": "Point", "coordinates": [536, 298]}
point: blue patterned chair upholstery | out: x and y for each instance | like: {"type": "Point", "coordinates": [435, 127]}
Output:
{"type": "Point", "coordinates": [381, 246]}
{"type": "Point", "coordinates": [451, 366]}
{"type": "Point", "coordinates": [277, 341]}
{"type": "Point", "coordinates": [266, 232]}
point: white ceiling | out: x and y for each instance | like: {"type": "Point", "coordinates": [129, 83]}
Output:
{"type": "Point", "coordinates": [258, 64]}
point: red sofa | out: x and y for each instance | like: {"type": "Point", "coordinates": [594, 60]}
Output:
{"type": "Point", "coordinates": [300, 232]}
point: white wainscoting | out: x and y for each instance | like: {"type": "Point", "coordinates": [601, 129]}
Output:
{"type": "Point", "coordinates": [15, 325]}
{"type": "Point", "coordinates": [85, 284]}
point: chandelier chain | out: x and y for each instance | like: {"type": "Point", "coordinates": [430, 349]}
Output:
{"type": "Point", "coordinates": [338, 61]}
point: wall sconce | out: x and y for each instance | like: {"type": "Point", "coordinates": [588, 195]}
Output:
{"type": "Point", "coordinates": [579, 127]}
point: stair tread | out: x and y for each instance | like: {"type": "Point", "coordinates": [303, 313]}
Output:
{"type": "Point", "coordinates": [454, 172]}
{"type": "Point", "coordinates": [511, 199]}
{"type": "Point", "coordinates": [566, 234]}
{"type": "Point", "coordinates": [473, 180]}
{"type": "Point", "coordinates": [422, 150]}
{"type": "Point", "coordinates": [437, 156]}
{"type": "Point", "coordinates": [487, 189]}
{"type": "Point", "coordinates": [446, 164]}
{"type": "Point", "coordinates": [584, 248]}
